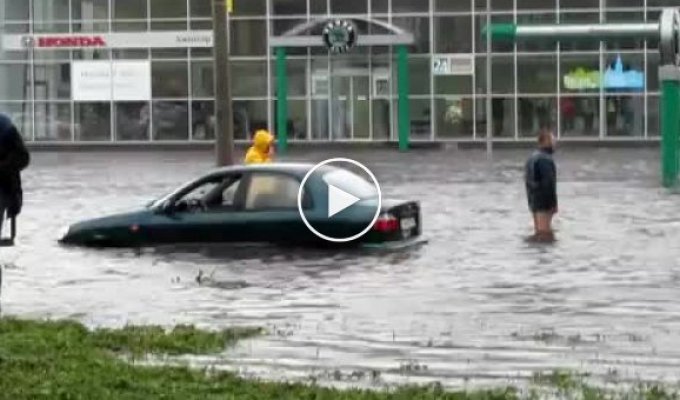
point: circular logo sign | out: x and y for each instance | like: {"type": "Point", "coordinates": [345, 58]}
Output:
{"type": "Point", "coordinates": [339, 36]}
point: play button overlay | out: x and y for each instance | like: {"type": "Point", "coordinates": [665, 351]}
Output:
{"type": "Point", "coordinates": [338, 200]}
{"type": "Point", "coordinates": [345, 200]}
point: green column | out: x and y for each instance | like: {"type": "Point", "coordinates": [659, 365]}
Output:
{"type": "Point", "coordinates": [670, 124]}
{"type": "Point", "coordinates": [403, 90]}
{"type": "Point", "coordinates": [282, 100]}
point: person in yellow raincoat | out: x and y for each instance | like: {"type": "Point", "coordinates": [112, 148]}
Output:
{"type": "Point", "coordinates": [262, 149]}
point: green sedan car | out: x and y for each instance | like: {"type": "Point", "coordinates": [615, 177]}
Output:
{"type": "Point", "coordinates": [256, 204]}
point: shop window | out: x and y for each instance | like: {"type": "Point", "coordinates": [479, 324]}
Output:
{"type": "Point", "coordinates": [458, 6]}
{"type": "Point", "coordinates": [249, 116]}
{"type": "Point", "coordinates": [21, 115]}
{"type": "Point", "coordinates": [250, 7]}
{"type": "Point", "coordinates": [625, 115]}
{"type": "Point", "coordinates": [52, 81]}
{"type": "Point", "coordinates": [318, 7]}
{"type": "Point", "coordinates": [249, 78]}
{"type": "Point", "coordinates": [537, 74]}
{"type": "Point", "coordinates": [502, 75]}
{"type": "Point", "coordinates": [90, 9]}
{"type": "Point", "coordinates": [624, 73]}
{"type": "Point", "coordinates": [454, 117]}
{"type": "Point", "coordinates": [580, 73]}
{"type": "Point", "coordinates": [296, 71]}
{"type": "Point", "coordinates": [410, 6]}
{"type": "Point", "coordinates": [289, 7]}
{"type": "Point", "coordinates": [348, 6]}
{"type": "Point", "coordinates": [170, 120]}
{"type": "Point", "coordinates": [579, 18]}
{"type": "Point", "coordinates": [92, 121]}
{"type": "Point", "coordinates": [202, 83]}
{"type": "Point", "coordinates": [502, 117]}
{"type": "Point", "coordinates": [653, 120]}
{"type": "Point", "coordinates": [496, 46]}
{"type": "Point", "coordinates": [50, 10]}
{"type": "Point", "coordinates": [580, 115]}
{"type": "Point", "coordinates": [536, 4]}
{"type": "Point", "coordinates": [420, 28]}
{"type": "Point", "coordinates": [626, 3]}
{"type": "Point", "coordinates": [169, 79]}
{"type": "Point", "coordinates": [297, 118]}
{"type": "Point", "coordinates": [248, 38]}
{"type": "Point", "coordinates": [200, 8]}
{"type": "Point", "coordinates": [419, 74]}
{"type": "Point", "coordinates": [662, 3]}
{"type": "Point", "coordinates": [536, 114]}
{"type": "Point", "coordinates": [496, 5]}
{"type": "Point", "coordinates": [53, 122]}
{"type": "Point", "coordinates": [625, 43]}
{"type": "Point", "coordinates": [14, 82]}
{"type": "Point", "coordinates": [379, 6]}
{"type": "Point", "coordinates": [453, 34]}
{"type": "Point", "coordinates": [129, 9]}
{"type": "Point", "coordinates": [564, 4]}
{"type": "Point", "coordinates": [536, 45]}
{"type": "Point", "coordinates": [453, 84]}
{"type": "Point", "coordinates": [203, 120]}
{"type": "Point", "coordinates": [16, 10]}
{"type": "Point", "coordinates": [132, 121]}
{"type": "Point", "coordinates": [168, 8]}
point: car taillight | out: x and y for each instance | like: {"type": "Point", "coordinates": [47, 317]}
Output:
{"type": "Point", "coordinates": [386, 223]}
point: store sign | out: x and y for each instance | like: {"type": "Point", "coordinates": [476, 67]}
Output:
{"type": "Point", "coordinates": [63, 42]}
{"type": "Point", "coordinates": [613, 79]}
{"type": "Point", "coordinates": [115, 40]}
{"type": "Point", "coordinates": [111, 80]}
{"type": "Point", "coordinates": [453, 64]}
{"type": "Point", "coordinates": [339, 36]}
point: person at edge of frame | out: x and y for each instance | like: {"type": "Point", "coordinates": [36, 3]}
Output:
{"type": "Point", "coordinates": [14, 158]}
{"type": "Point", "coordinates": [541, 186]}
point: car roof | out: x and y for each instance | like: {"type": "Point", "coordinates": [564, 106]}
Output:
{"type": "Point", "coordinates": [299, 169]}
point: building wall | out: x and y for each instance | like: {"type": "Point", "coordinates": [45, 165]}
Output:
{"type": "Point", "coordinates": [334, 97]}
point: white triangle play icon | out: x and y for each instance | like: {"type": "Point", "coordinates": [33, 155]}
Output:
{"type": "Point", "coordinates": [339, 200]}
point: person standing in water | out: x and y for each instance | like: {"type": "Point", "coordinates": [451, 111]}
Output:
{"type": "Point", "coordinates": [541, 186]}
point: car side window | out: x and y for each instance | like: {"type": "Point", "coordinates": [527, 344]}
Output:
{"type": "Point", "coordinates": [272, 192]}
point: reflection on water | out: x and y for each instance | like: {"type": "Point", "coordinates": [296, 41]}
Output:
{"type": "Point", "coordinates": [476, 303]}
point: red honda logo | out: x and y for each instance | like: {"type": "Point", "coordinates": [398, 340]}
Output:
{"type": "Point", "coordinates": [71, 41]}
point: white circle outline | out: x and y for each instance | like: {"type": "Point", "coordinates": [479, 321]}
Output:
{"type": "Point", "coordinates": [377, 211]}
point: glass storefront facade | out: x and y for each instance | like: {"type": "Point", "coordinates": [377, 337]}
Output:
{"type": "Point", "coordinates": [581, 90]}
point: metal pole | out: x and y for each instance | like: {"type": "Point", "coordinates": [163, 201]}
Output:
{"type": "Point", "coordinates": [282, 100]}
{"type": "Point", "coordinates": [489, 120]}
{"type": "Point", "coordinates": [669, 75]}
{"type": "Point", "coordinates": [403, 90]}
{"type": "Point", "coordinates": [224, 118]}
{"type": "Point", "coordinates": [512, 32]}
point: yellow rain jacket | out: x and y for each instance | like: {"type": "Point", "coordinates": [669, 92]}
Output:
{"type": "Point", "coordinates": [259, 152]}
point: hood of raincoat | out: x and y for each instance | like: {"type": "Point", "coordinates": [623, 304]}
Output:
{"type": "Point", "coordinates": [259, 151]}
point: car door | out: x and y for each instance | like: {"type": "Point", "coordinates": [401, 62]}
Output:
{"type": "Point", "coordinates": [198, 214]}
{"type": "Point", "coordinates": [270, 207]}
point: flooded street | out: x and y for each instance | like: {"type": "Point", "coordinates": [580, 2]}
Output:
{"type": "Point", "coordinates": [476, 304]}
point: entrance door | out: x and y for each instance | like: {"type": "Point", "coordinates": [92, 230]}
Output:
{"type": "Point", "coordinates": [350, 106]}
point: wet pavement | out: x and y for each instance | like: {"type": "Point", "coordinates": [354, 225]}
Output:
{"type": "Point", "coordinates": [477, 304]}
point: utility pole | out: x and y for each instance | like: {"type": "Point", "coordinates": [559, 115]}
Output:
{"type": "Point", "coordinates": [224, 117]}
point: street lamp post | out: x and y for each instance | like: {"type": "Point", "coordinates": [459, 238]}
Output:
{"type": "Point", "coordinates": [224, 120]}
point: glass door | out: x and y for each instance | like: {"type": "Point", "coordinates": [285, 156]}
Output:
{"type": "Point", "coordinates": [361, 107]}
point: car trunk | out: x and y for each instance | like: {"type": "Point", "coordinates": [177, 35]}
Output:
{"type": "Point", "coordinates": [398, 220]}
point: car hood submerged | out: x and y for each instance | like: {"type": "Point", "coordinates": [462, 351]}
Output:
{"type": "Point", "coordinates": [104, 227]}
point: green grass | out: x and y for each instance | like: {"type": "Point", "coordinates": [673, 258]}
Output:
{"type": "Point", "coordinates": [64, 360]}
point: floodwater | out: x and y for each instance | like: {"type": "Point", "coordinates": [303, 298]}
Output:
{"type": "Point", "coordinates": [477, 304]}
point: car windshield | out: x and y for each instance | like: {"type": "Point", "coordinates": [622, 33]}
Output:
{"type": "Point", "coordinates": [350, 182]}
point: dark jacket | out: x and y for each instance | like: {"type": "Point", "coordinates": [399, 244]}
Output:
{"type": "Point", "coordinates": [541, 181]}
{"type": "Point", "coordinates": [14, 158]}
